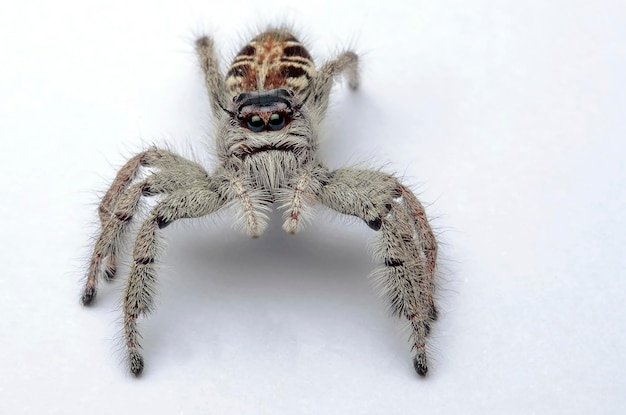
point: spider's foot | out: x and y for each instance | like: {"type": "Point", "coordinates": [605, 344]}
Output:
{"type": "Point", "coordinates": [353, 84]}
{"type": "Point", "coordinates": [375, 224]}
{"type": "Point", "coordinates": [419, 363]}
{"type": "Point", "coordinates": [136, 363]}
{"type": "Point", "coordinates": [88, 295]}
{"type": "Point", "coordinates": [204, 42]}
{"type": "Point", "coordinates": [162, 222]}
{"type": "Point", "coordinates": [353, 75]}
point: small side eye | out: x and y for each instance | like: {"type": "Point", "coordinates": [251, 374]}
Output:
{"type": "Point", "coordinates": [276, 122]}
{"type": "Point", "coordinates": [256, 124]}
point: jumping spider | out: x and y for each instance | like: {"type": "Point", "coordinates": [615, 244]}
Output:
{"type": "Point", "coordinates": [267, 108]}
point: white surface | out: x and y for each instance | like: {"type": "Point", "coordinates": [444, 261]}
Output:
{"type": "Point", "coordinates": [507, 116]}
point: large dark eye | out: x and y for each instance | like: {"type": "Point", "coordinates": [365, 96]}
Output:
{"type": "Point", "coordinates": [256, 124]}
{"type": "Point", "coordinates": [276, 122]}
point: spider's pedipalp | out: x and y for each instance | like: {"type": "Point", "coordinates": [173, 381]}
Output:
{"type": "Point", "coordinates": [254, 204]}
{"type": "Point", "coordinates": [298, 200]}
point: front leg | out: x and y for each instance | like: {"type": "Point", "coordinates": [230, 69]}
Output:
{"type": "Point", "coordinates": [407, 246]}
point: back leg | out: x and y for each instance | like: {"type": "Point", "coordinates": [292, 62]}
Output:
{"type": "Point", "coordinates": [120, 203]}
{"type": "Point", "coordinates": [107, 245]}
{"type": "Point", "coordinates": [347, 64]}
{"type": "Point", "coordinates": [106, 212]}
{"type": "Point", "coordinates": [213, 78]}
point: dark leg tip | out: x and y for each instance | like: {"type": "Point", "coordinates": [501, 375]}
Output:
{"type": "Point", "coordinates": [420, 366]}
{"type": "Point", "coordinates": [109, 273]}
{"type": "Point", "coordinates": [393, 262]}
{"type": "Point", "coordinates": [375, 224]}
{"type": "Point", "coordinates": [433, 313]}
{"type": "Point", "coordinates": [146, 190]}
{"type": "Point", "coordinates": [88, 296]}
{"type": "Point", "coordinates": [136, 364]}
{"type": "Point", "coordinates": [203, 42]}
{"type": "Point", "coordinates": [162, 222]}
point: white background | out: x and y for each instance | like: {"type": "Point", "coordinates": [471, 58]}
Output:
{"type": "Point", "coordinates": [508, 119]}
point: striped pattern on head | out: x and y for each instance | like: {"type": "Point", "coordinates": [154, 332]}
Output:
{"type": "Point", "coordinates": [273, 59]}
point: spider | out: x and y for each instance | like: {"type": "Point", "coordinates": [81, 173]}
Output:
{"type": "Point", "coordinates": [267, 110]}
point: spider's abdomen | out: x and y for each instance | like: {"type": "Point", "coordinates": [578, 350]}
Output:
{"type": "Point", "coordinates": [274, 59]}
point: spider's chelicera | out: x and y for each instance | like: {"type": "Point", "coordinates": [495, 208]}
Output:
{"type": "Point", "coordinates": [267, 109]}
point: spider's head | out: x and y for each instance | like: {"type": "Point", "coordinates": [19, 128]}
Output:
{"type": "Point", "coordinates": [268, 136]}
{"type": "Point", "coordinates": [265, 110]}
{"type": "Point", "coordinates": [268, 121]}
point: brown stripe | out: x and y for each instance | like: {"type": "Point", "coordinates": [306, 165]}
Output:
{"type": "Point", "coordinates": [292, 71]}
{"type": "Point", "coordinates": [296, 50]}
{"type": "Point", "coordinates": [248, 50]}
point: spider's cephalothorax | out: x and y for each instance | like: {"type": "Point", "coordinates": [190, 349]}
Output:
{"type": "Point", "coordinates": [267, 110]}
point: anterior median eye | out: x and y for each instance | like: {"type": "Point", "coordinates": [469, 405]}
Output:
{"type": "Point", "coordinates": [256, 124]}
{"type": "Point", "coordinates": [276, 122]}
